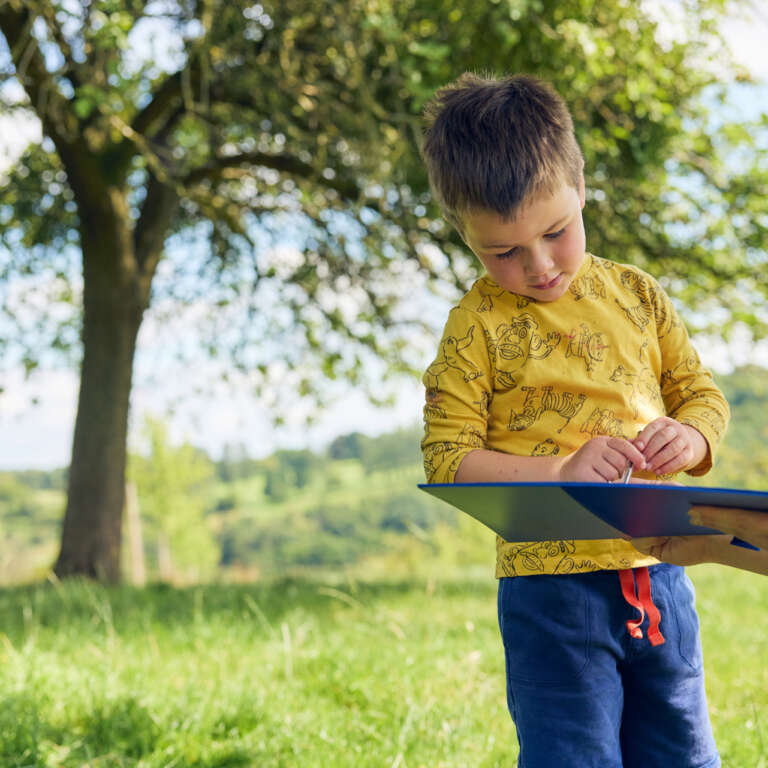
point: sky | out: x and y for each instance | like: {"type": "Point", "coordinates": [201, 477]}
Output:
{"type": "Point", "coordinates": [40, 436]}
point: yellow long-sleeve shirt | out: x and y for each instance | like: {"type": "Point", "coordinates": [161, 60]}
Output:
{"type": "Point", "coordinates": [541, 378]}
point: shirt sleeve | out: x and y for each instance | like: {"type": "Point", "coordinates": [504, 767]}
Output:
{"type": "Point", "coordinates": [458, 388]}
{"type": "Point", "coordinates": [687, 388]}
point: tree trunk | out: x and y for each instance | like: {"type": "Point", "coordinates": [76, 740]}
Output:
{"type": "Point", "coordinates": [112, 312]}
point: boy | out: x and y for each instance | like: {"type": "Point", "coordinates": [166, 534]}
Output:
{"type": "Point", "coordinates": [561, 366]}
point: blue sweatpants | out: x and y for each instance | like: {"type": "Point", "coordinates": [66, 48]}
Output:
{"type": "Point", "coordinates": [584, 694]}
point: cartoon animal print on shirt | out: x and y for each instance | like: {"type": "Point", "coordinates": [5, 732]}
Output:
{"type": "Point", "coordinates": [437, 454]}
{"type": "Point", "coordinates": [529, 557]}
{"type": "Point", "coordinates": [546, 447]}
{"type": "Point", "coordinates": [483, 404]}
{"type": "Point", "coordinates": [675, 376]}
{"type": "Point", "coordinates": [471, 436]}
{"type": "Point", "coordinates": [711, 416]}
{"type": "Point", "coordinates": [450, 357]}
{"type": "Point", "coordinates": [587, 345]}
{"type": "Point", "coordinates": [588, 286]}
{"type": "Point", "coordinates": [515, 344]}
{"type": "Point", "coordinates": [642, 388]}
{"type": "Point", "coordinates": [433, 409]}
{"type": "Point", "coordinates": [603, 421]}
{"type": "Point", "coordinates": [561, 403]}
{"type": "Point", "coordinates": [639, 314]}
{"type": "Point", "coordinates": [489, 293]}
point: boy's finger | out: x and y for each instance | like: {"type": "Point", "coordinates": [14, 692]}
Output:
{"type": "Point", "coordinates": [661, 438]}
{"type": "Point", "coordinates": [628, 451]}
{"type": "Point", "coordinates": [669, 467]}
{"type": "Point", "coordinates": [674, 454]}
{"type": "Point", "coordinates": [648, 431]}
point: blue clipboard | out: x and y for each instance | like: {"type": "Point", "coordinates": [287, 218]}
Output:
{"type": "Point", "coordinates": [553, 511]}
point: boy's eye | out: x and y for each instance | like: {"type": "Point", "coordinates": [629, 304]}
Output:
{"type": "Point", "coordinates": [513, 251]}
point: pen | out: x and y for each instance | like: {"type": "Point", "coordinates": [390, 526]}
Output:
{"type": "Point", "coordinates": [627, 472]}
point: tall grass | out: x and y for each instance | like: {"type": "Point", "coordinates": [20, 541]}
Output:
{"type": "Point", "coordinates": [399, 673]}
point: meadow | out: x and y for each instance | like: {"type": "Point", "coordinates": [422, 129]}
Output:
{"type": "Point", "coordinates": [398, 672]}
{"type": "Point", "coordinates": [345, 619]}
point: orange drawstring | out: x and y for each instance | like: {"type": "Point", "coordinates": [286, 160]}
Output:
{"type": "Point", "coordinates": [643, 602]}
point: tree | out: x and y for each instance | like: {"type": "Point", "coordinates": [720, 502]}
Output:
{"type": "Point", "coordinates": [169, 480]}
{"type": "Point", "coordinates": [303, 116]}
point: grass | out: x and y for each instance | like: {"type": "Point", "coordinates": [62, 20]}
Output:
{"type": "Point", "coordinates": [299, 673]}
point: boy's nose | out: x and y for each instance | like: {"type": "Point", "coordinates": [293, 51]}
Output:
{"type": "Point", "coordinates": [539, 261]}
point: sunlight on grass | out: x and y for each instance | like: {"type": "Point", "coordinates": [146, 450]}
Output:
{"type": "Point", "coordinates": [301, 673]}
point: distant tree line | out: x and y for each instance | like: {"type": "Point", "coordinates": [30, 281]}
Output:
{"type": "Point", "coordinates": [351, 500]}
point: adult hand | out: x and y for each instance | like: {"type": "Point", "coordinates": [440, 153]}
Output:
{"type": "Point", "coordinates": [746, 524]}
{"type": "Point", "coordinates": [683, 550]}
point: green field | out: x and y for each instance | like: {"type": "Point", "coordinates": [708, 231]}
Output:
{"type": "Point", "coordinates": [399, 673]}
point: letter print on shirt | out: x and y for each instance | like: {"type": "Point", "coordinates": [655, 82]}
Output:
{"type": "Point", "coordinates": [564, 404]}
{"type": "Point", "coordinates": [588, 345]}
{"type": "Point", "coordinates": [514, 344]}
{"type": "Point", "coordinates": [450, 357]}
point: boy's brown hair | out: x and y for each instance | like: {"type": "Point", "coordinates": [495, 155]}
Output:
{"type": "Point", "coordinates": [495, 144]}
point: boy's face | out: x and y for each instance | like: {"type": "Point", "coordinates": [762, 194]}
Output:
{"type": "Point", "coordinates": [537, 253]}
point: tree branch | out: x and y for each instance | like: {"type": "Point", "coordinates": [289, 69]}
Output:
{"type": "Point", "coordinates": [149, 235]}
{"type": "Point", "coordinates": [51, 107]}
{"type": "Point", "coordinates": [54, 29]}
{"type": "Point", "coordinates": [168, 94]}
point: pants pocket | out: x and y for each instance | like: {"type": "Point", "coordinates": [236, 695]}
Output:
{"type": "Point", "coordinates": [684, 607]}
{"type": "Point", "coordinates": [544, 622]}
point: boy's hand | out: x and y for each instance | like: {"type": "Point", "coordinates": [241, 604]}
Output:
{"type": "Point", "coordinates": [601, 459]}
{"type": "Point", "coordinates": [669, 446]}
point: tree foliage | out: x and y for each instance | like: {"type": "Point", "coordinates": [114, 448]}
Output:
{"type": "Point", "coordinates": [169, 480]}
{"type": "Point", "coordinates": [284, 136]}
{"type": "Point", "coordinates": [304, 116]}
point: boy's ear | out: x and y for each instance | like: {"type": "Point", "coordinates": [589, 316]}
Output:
{"type": "Point", "coordinates": [582, 191]}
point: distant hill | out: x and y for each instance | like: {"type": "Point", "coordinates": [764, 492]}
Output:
{"type": "Point", "coordinates": [354, 505]}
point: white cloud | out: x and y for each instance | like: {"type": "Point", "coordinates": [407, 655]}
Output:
{"type": "Point", "coordinates": [17, 131]}
{"type": "Point", "coordinates": [746, 31]}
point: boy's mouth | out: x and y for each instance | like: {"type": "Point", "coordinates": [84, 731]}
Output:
{"type": "Point", "coordinates": [549, 284]}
